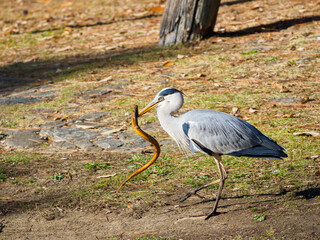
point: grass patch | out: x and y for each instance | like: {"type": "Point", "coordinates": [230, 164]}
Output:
{"type": "Point", "coordinates": [3, 176]}
{"type": "Point", "coordinates": [20, 158]}
{"type": "Point", "coordinates": [57, 177]}
{"type": "Point", "coordinates": [94, 166]}
{"type": "Point", "coordinates": [253, 51]}
{"type": "Point", "coordinates": [259, 217]}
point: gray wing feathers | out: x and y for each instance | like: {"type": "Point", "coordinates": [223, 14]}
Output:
{"type": "Point", "coordinates": [223, 133]}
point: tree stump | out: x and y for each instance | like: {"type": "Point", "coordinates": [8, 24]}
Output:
{"type": "Point", "coordinates": [187, 20]}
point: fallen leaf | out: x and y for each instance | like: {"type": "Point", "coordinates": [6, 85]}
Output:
{"type": "Point", "coordinates": [277, 85]}
{"type": "Point", "coordinates": [5, 198]}
{"type": "Point", "coordinates": [6, 32]}
{"type": "Point", "coordinates": [69, 29]}
{"type": "Point", "coordinates": [99, 47]}
{"type": "Point", "coordinates": [107, 176]}
{"type": "Point", "coordinates": [168, 64]}
{"type": "Point", "coordinates": [181, 56]}
{"type": "Point", "coordinates": [156, 9]}
{"type": "Point", "coordinates": [63, 49]}
{"type": "Point", "coordinates": [305, 99]}
{"type": "Point", "coordinates": [252, 110]}
{"type": "Point", "coordinates": [113, 130]}
{"type": "Point", "coordinates": [44, 1]}
{"type": "Point", "coordinates": [314, 156]}
{"type": "Point", "coordinates": [106, 79]}
{"type": "Point", "coordinates": [66, 4]}
{"type": "Point", "coordinates": [312, 134]}
{"type": "Point", "coordinates": [235, 110]}
{"type": "Point", "coordinates": [287, 115]}
{"type": "Point", "coordinates": [284, 89]}
{"type": "Point", "coordinates": [201, 75]}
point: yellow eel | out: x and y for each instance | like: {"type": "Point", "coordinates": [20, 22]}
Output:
{"type": "Point", "coordinates": [146, 136]}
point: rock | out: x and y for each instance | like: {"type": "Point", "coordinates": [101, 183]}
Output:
{"type": "Point", "coordinates": [29, 96]}
{"type": "Point", "coordinates": [23, 138]}
{"type": "Point", "coordinates": [126, 137]}
{"type": "Point", "coordinates": [88, 125]}
{"type": "Point", "coordinates": [86, 145]}
{"type": "Point", "coordinates": [108, 144]}
{"type": "Point", "coordinates": [94, 116]}
{"type": "Point", "coordinates": [81, 138]}
{"type": "Point", "coordinates": [24, 92]}
{"type": "Point", "coordinates": [45, 95]}
{"type": "Point", "coordinates": [138, 144]}
{"type": "Point", "coordinates": [151, 127]}
{"type": "Point", "coordinates": [104, 91]}
{"type": "Point", "coordinates": [69, 134]}
{"type": "Point", "coordinates": [42, 110]}
{"type": "Point", "coordinates": [96, 93]}
{"type": "Point", "coordinates": [70, 110]}
{"type": "Point", "coordinates": [53, 124]}
{"type": "Point", "coordinates": [17, 100]}
{"type": "Point", "coordinates": [63, 145]}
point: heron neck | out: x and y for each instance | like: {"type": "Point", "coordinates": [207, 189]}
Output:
{"type": "Point", "coordinates": [167, 120]}
{"type": "Point", "coordinates": [173, 127]}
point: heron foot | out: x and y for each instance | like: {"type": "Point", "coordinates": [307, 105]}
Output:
{"type": "Point", "coordinates": [213, 213]}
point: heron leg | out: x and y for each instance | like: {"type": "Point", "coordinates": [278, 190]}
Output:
{"type": "Point", "coordinates": [223, 177]}
{"type": "Point", "coordinates": [222, 172]}
{"type": "Point", "coordinates": [194, 191]}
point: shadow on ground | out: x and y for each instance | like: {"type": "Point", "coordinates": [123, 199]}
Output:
{"type": "Point", "coordinates": [307, 194]}
{"type": "Point", "coordinates": [271, 27]}
{"type": "Point", "coordinates": [38, 72]}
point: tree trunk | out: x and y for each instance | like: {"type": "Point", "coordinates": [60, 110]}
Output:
{"type": "Point", "coordinates": [187, 20]}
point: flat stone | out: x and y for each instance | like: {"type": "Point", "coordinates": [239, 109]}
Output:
{"type": "Point", "coordinates": [45, 95]}
{"type": "Point", "coordinates": [81, 138]}
{"type": "Point", "coordinates": [70, 110]}
{"type": "Point", "coordinates": [87, 145]}
{"type": "Point", "coordinates": [94, 116]}
{"type": "Point", "coordinates": [53, 124]}
{"type": "Point", "coordinates": [42, 110]}
{"type": "Point", "coordinates": [27, 92]}
{"type": "Point", "coordinates": [18, 100]}
{"type": "Point", "coordinates": [137, 144]}
{"type": "Point", "coordinates": [150, 127]}
{"type": "Point", "coordinates": [28, 96]}
{"type": "Point", "coordinates": [63, 145]}
{"type": "Point", "coordinates": [87, 125]}
{"type": "Point", "coordinates": [69, 134]}
{"type": "Point", "coordinates": [126, 137]}
{"type": "Point", "coordinates": [96, 93]}
{"type": "Point", "coordinates": [45, 87]}
{"type": "Point", "coordinates": [23, 138]}
{"type": "Point", "coordinates": [108, 144]}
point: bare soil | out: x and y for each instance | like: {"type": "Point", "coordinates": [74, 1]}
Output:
{"type": "Point", "coordinates": [52, 209]}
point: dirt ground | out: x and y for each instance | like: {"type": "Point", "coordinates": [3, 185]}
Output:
{"type": "Point", "coordinates": [57, 213]}
{"type": "Point", "coordinates": [58, 196]}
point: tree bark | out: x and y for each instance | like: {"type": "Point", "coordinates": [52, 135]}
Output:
{"type": "Point", "coordinates": [187, 20]}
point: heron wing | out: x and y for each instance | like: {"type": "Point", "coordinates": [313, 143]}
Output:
{"type": "Point", "coordinates": [222, 133]}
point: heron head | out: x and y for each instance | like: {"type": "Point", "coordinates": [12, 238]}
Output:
{"type": "Point", "coordinates": [164, 94]}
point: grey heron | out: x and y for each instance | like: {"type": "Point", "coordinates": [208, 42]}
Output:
{"type": "Point", "coordinates": [212, 132]}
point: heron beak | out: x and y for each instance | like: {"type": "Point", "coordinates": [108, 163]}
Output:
{"type": "Point", "coordinates": [148, 107]}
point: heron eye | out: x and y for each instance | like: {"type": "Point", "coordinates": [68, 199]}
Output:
{"type": "Point", "coordinates": [161, 98]}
